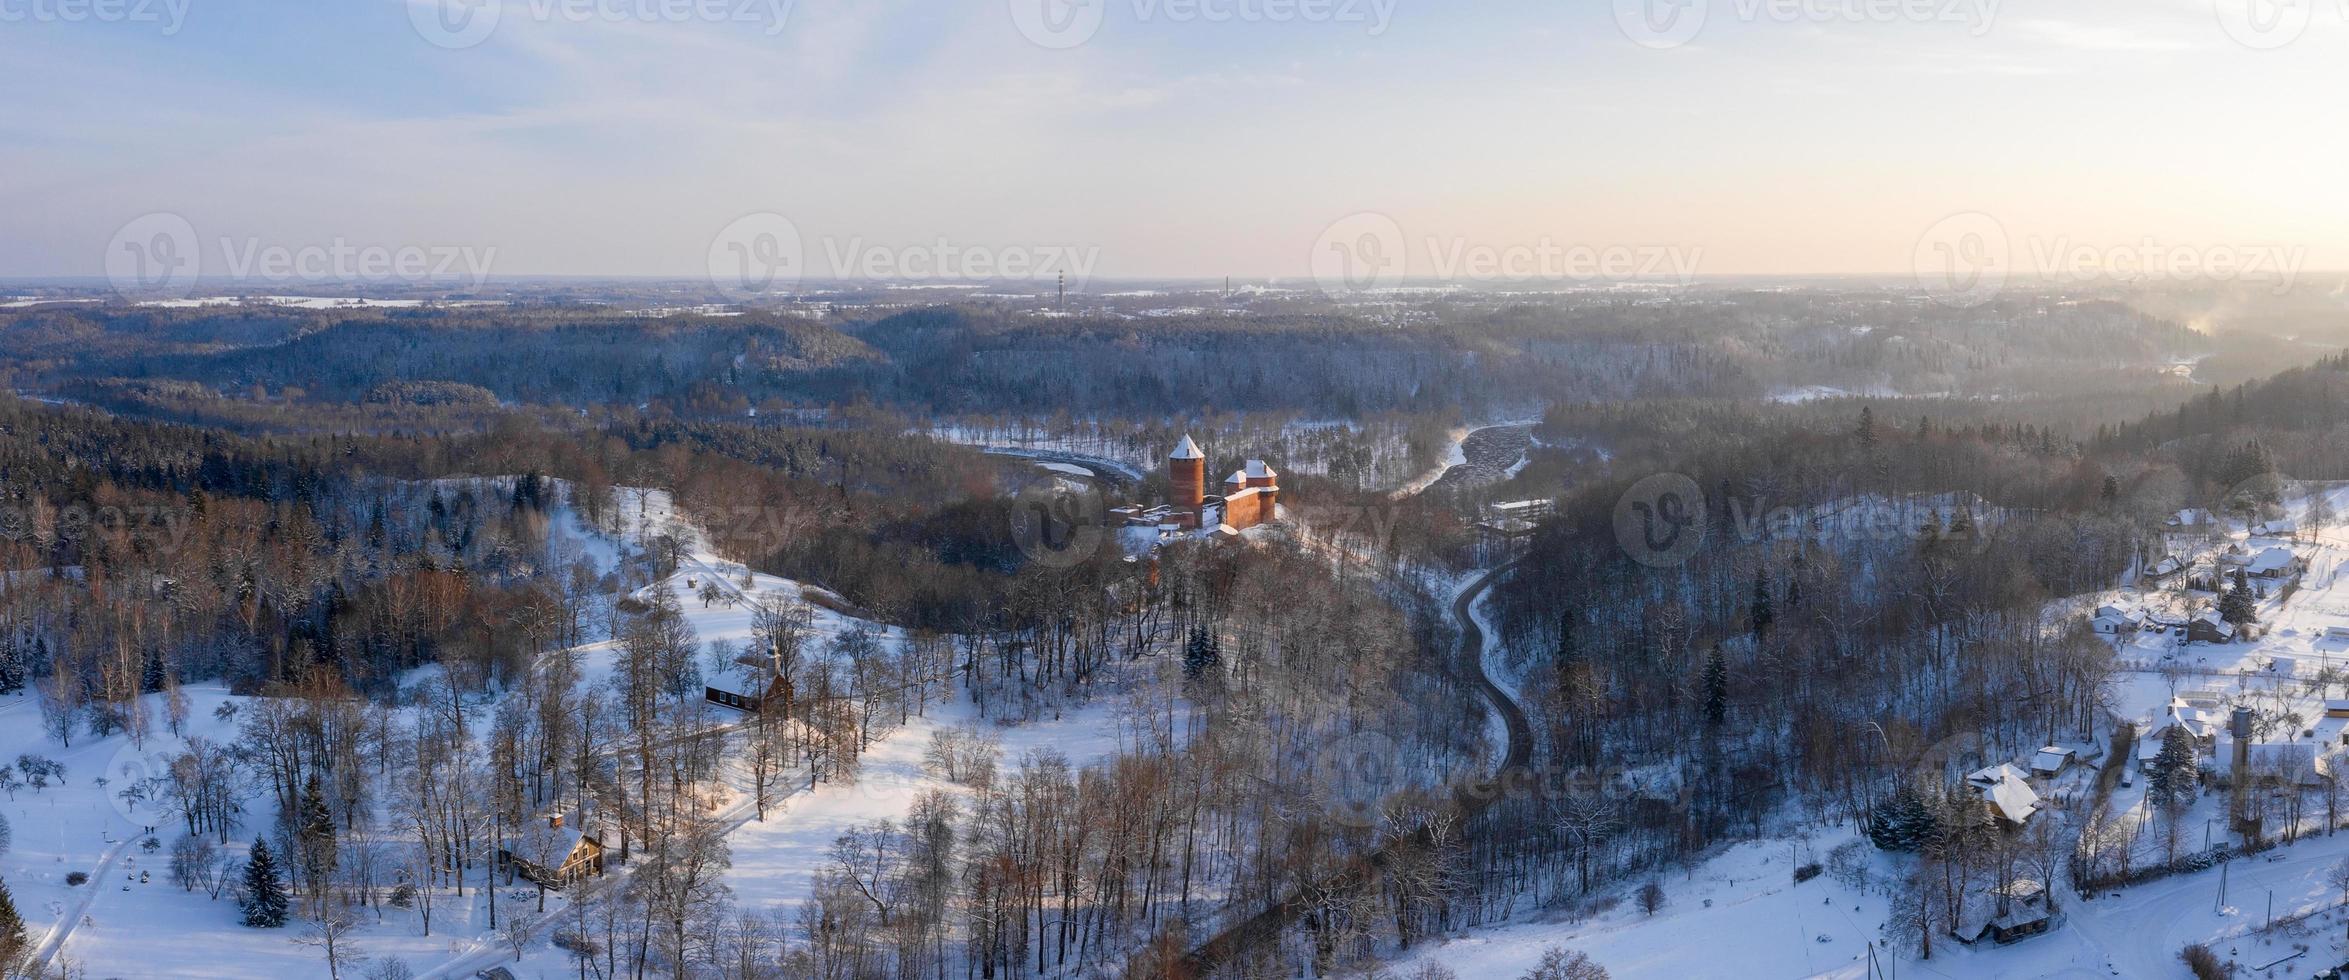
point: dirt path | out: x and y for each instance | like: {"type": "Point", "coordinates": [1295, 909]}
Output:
{"type": "Point", "coordinates": [49, 948]}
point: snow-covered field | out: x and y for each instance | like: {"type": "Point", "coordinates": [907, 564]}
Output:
{"type": "Point", "coordinates": [129, 921]}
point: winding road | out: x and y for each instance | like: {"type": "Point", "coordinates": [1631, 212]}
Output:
{"type": "Point", "coordinates": [1267, 925]}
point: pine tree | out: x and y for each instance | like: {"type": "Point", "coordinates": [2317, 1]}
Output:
{"type": "Point", "coordinates": [1203, 654]}
{"type": "Point", "coordinates": [264, 900]}
{"type": "Point", "coordinates": [1763, 613]}
{"type": "Point", "coordinates": [2172, 776]}
{"type": "Point", "coordinates": [14, 943]}
{"type": "Point", "coordinates": [315, 835]}
{"type": "Point", "coordinates": [12, 674]}
{"type": "Point", "coordinates": [1866, 431]}
{"type": "Point", "coordinates": [2111, 494]}
{"type": "Point", "coordinates": [1716, 688]}
{"type": "Point", "coordinates": [1900, 822]}
{"type": "Point", "coordinates": [2237, 606]}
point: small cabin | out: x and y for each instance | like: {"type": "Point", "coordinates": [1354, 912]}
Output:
{"type": "Point", "coordinates": [759, 685]}
{"type": "Point", "coordinates": [2337, 709]}
{"type": "Point", "coordinates": [570, 852]}
{"type": "Point", "coordinates": [2208, 628]}
{"type": "Point", "coordinates": [2026, 913]}
{"type": "Point", "coordinates": [2052, 761]}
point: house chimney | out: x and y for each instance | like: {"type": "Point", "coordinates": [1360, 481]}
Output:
{"type": "Point", "coordinates": [554, 821]}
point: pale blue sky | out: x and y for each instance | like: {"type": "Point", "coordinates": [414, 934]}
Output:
{"type": "Point", "coordinates": [1808, 142]}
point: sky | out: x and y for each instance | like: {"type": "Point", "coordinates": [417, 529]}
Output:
{"type": "Point", "coordinates": [1177, 138]}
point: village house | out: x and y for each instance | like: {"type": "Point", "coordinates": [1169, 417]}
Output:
{"type": "Point", "coordinates": [2052, 761]}
{"type": "Point", "coordinates": [2167, 566]}
{"type": "Point", "coordinates": [2022, 911]}
{"type": "Point", "coordinates": [2190, 517]}
{"type": "Point", "coordinates": [2006, 794]}
{"type": "Point", "coordinates": [570, 851]}
{"type": "Point", "coordinates": [758, 685]}
{"type": "Point", "coordinates": [2116, 621]}
{"type": "Point", "coordinates": [2209, 628]}
{"type": "Point", "coordinates": [2194, 714]}
{"type": "Point", "coordinates": [2298, 764]}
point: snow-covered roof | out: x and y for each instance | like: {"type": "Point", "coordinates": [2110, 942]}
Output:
{"type": "Point", "coordinates": [2271, 560]}
{"type": "Point", "coordinates": [2006, 790]}
{"type": "Point", "coordinates": [2217, 625]}
{"type": "Point", "coordinates": [1236, 477]}
{"type": "Point", "coordinates": [1257, 470]}
{"type": "Point", "coordinates": [2052, 758]}
{"type": "Point", "coordinates": [2167, 566]}
{"type": "Point", "coordinates": [2281, 526]}
{"type": "Point", "coordinates": [2301, 760]}
{"type": "Point", "coordinates": [1187, 450]}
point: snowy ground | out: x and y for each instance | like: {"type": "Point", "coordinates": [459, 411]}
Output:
{"type": "Point", "coordinates": [118, 926]}
{"type": "Point", "coordinates": [1741, 905]}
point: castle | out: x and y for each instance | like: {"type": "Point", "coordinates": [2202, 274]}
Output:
{"type": "Point", "coordinates": [1251, 496]}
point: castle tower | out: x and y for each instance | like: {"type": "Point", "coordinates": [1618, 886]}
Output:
{"type": "Point", "coordinates": [1186, 473]}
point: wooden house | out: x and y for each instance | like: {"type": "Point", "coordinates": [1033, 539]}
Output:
{"type": "Point", "coordinates": [567, 851]}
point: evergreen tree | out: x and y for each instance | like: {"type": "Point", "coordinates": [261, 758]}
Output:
{"type": "Point", "coordinates": [2172, 776]}
{"type": "Point", "coordinates": [2111, 494]}
{"type": "Point", "coordinates": [1900, 822]}
{"type": "Point", "coordinates": [12, 674]}
{"type": "Point", "coordinates": [1866, 431]}
{"type": "Point", "coordinates": [1716, 688]}
{"type": "Point", "coordinates": [2237, 606]}
{"type": "Point", "coordinates": [14, 943]}
{"type": "Point", "coordinates": [1204, 653]}
{"type": "Point", "coordinates": [1763, 613]}
{"type": "Point", "coordinates": [264, 899]}
{"type": "Point", "coordinates": [314, 835]}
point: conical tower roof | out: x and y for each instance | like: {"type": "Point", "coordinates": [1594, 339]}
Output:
{"type": "Point", "coordinates": [1188, 450]}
